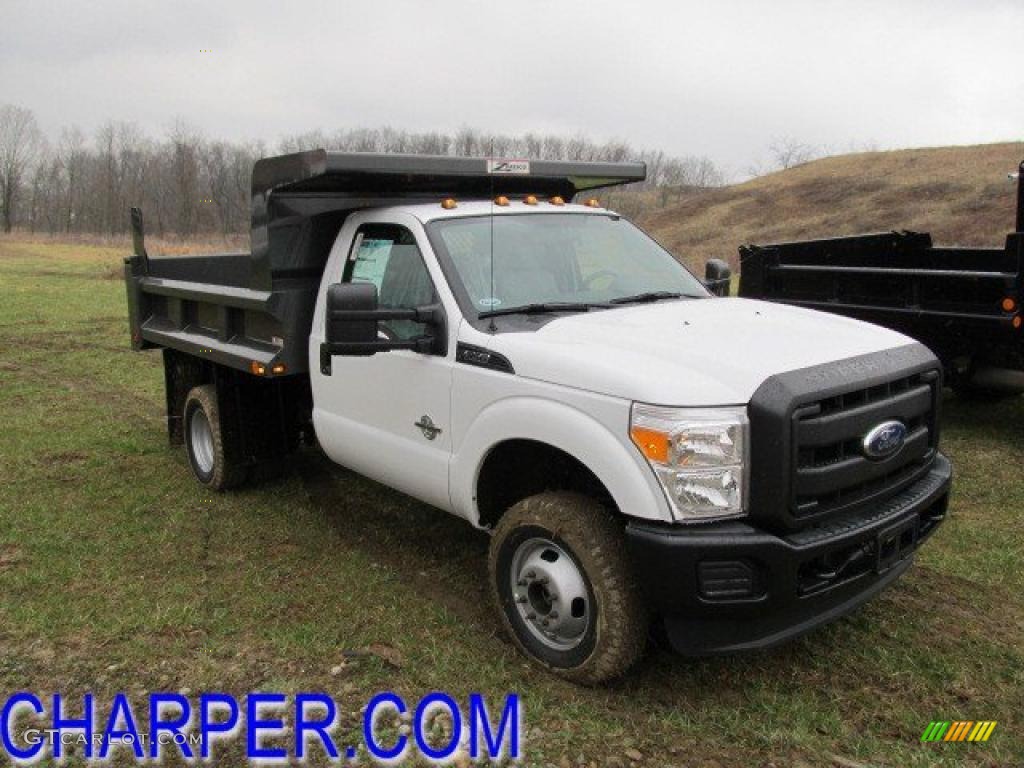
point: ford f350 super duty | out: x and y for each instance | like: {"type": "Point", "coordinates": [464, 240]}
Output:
{"type": "Point", "coordinates": [640, 448]}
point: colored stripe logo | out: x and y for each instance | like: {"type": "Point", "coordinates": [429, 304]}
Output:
{"type": "Point", "coordinates": [958, 730]}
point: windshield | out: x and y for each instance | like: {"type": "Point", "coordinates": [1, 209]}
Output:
{"type": "Point", "coordinates": [557, 258]}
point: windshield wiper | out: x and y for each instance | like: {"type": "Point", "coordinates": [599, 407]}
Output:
{"type": "Point", "coordinates": [543, 307]}
{"type": "Point", "coordinates": [649, 296]}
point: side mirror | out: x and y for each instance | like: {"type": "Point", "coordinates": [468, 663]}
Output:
{"type": "Point", "coordinates": [351, 325]}
{"type": "Point", "coordinates": [341, 328]}
{"type": "Point", "coordinates": [717, 277]}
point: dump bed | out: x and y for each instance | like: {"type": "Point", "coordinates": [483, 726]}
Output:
{"type": "Point", "coordinates": [253, 311]}
{"type": "Point", "coordinates": [958, 301]}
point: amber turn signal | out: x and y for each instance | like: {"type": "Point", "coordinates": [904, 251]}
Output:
{"type": "Point", "coordinates": [652, 444]}
{"type": "Point", "coordinates": [1016, 322]}
{"type": "Point", "coordinates": [278, 369]}
{"type": "Point", "coordinates": [1009, 304]}
{"type": "Point", "coordinates": [258, 368]}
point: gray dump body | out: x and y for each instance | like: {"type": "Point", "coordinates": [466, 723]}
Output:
{"type": "Point", "coordinates": [237, 309]}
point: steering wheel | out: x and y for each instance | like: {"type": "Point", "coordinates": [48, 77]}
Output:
{"type": "Point", "coordinates": [588, 283]}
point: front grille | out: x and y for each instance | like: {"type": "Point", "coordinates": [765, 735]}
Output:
{"type": "Point", "coordinates": [831, 474]}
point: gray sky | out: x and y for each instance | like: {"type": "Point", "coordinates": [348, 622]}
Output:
{"type": "Point", "coordinates": [711, 77]}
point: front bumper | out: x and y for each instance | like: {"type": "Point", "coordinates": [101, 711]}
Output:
{"type": "Point", "coordinates": [731, 587]}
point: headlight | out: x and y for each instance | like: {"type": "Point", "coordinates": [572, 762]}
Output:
{"type": "Point", "coordinates": [700, 456]}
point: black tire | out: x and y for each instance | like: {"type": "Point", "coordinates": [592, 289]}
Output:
{"type": "Point", "coordinates": [616, 618]}
{"type": "Point", "coordinates": [969, 392]}
{"type": "Point", "coordinates": [211, 458]}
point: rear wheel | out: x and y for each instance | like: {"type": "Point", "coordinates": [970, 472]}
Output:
{"type": "Point", "coordinates": [564, 587]}
{"type": "Point", "coordinates": [209, 455]}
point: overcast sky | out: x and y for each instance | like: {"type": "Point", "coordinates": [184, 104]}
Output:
{"type": "Point", "coordinates": [716, 78]}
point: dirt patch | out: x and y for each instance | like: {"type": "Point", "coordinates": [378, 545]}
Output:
{"type": "Point", "coordinates": [62, 458]}
{"type": "Point", "coordinates": [50, 273]}
{"type": "Point", "coordinates": [9, 555]}
{"type": "Point", "coordinates": [67, 340]}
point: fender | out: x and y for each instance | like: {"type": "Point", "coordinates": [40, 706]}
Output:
{"type": "Point", "coordinates": [621, 469]}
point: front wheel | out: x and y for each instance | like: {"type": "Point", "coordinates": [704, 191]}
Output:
{"type": "Point", "coordinates": [564, 587]}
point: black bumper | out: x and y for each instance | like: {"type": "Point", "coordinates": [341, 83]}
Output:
{"type": "Point", "coordinates": [731, 587]}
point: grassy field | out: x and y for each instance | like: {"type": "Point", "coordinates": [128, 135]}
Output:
{"type": "Point", "coordinates": [118, 572]}
{"type": "Point", "coordinates": [959, 194]}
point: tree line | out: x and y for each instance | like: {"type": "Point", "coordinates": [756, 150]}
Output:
{"type": "Point", "coordinates": [189, 185]}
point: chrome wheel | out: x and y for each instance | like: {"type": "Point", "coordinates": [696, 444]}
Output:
{"type": "Point", "coordinates": [550, 594]}
{"type": "Point", "coordinates": [201, 441]}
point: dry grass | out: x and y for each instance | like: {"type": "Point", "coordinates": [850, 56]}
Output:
{"type": "Point", "coordinates": [959, 194]}
{"type": "Point", "coordinates": [155, 246]}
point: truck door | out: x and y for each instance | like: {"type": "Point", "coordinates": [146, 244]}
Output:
{"type": "Point", "coordinates": [386, 416]}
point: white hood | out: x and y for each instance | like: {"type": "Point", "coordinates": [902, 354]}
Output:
{"type": "Point", "coordinates": [690, 352]}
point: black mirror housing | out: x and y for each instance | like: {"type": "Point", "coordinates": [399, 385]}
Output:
{"type": "Point", "coordinates": [351, 297]}
{"type": "Point", "coordinates": [350, 325]}
{"type": "Point", "coordinates": [717, 277]}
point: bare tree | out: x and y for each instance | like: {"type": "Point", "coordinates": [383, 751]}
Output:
{"type": "Point", "coordinates": [188, 185]}
{"type": "Point", "coordinates": [20, 140]}
{"type": "Point", "coordinates": [186, 146]}
{"type": "Point", "coordinates": [72, 157]}
{"type": "Point", "coordinates": [787, 151]}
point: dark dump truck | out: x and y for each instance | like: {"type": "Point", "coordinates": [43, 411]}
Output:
{"type": "Point", "coordinates": [963, 303]}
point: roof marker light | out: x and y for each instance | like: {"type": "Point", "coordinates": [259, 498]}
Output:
{"type": "Point", "coordinates": [593, 203]}
{"type": "Point", "coordinates": [501, 200]}
{"type": "Point", "coordinates": [530, 199]}
{"type": "Point", "coordinates": [556, 200]}
{"type": "Point", "coordinates": [448, 203]}
{"type": "Point", "coordinates": [1009, 304]}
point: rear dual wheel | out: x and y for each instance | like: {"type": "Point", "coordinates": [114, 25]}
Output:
{"type": "Point", "coordinates": [209, 452]}
{"type": "Point", "coordinates": [564, 587]}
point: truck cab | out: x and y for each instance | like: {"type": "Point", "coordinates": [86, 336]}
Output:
{"type": "Point", "coordinates": [643, 451]}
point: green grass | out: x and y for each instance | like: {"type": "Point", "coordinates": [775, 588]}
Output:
{"type": "Point", "coordinates": [119, 572]}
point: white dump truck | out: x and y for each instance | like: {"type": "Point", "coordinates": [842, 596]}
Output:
{"type": "Point", "coordinates": [645, 452]}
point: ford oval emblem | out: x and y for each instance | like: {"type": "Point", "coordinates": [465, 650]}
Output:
{"type": "Point", "coordinates": [884, 440]}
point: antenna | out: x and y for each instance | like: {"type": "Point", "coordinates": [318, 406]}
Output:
{"type": "Point", "coordinates": [492, 327]}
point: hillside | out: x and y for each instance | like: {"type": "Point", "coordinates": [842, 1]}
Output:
{"type": "Point", "coordinates": [959, 194]}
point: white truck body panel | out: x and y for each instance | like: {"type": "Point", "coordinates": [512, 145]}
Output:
{"type": "Point", "coordinates": [576, 379]}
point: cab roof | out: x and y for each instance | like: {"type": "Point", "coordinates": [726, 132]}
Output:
{"type": "Point", "coordinates": [433, 211]}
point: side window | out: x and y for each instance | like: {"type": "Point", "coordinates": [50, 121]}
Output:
{"type": "Point", "coordinates": [387, 256]}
